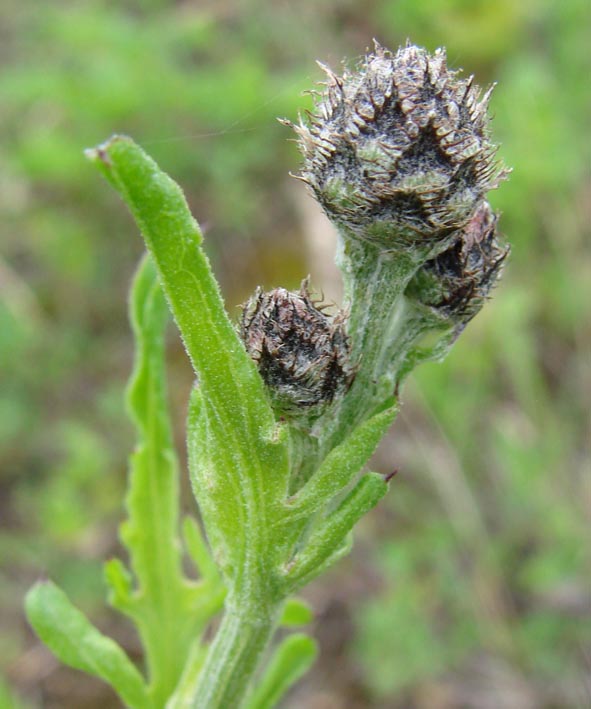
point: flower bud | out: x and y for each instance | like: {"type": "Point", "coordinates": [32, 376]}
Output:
{"type": "Point", "coordinates": [301, 353]}
{"type": "Point", "coordinates": [457, 282]}
{"type": "Point", "coordinates": [399, 150]}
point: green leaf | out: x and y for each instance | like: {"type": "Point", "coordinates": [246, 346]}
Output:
{"type": "Point", "coordinates": [216, 488]}
{"type": "Point", "coordinates": [340, 466]}
{"type": "Point", "coordinates": [168, 609]}
{"type": "Point", "coordinates": [243, 454]}
{"type": "Point", "coordinates": [183, 695]}
{"type": "Point", "coordinates": [235, 497]}
{"type": "Point", "coordinates": [198, 550]}
{"type": "Point", "coordinates": [332, 531]}
{"type": "Point", "coordinates": [296, 612]}
{"type": "Point", "coordinates": [292, 659]}
{"type": "Point", "coordinates": [77, 643]}
{"type": "Point", "coordinates": [119, 581]}
{"type": "Point", "coordinates": [229, 379]}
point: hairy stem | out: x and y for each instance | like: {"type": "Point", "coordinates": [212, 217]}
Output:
{"type": "Point", "coordinates": [233, 658]}
{"type": "Point", "coordinates": [375, 281]}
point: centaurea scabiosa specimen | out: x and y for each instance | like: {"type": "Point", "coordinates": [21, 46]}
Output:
{"type": "Point", "coordinates": [288, 405]}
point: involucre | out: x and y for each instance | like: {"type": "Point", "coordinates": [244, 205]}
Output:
{"type": "Point", "coordinates": [399, 149]}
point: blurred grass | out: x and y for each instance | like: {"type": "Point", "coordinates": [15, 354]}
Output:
{"type": "Point", "coordinates": [477, 593]}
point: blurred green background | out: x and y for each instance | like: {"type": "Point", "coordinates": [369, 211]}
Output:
{"type": "Point", "coordinates": [470, 586]}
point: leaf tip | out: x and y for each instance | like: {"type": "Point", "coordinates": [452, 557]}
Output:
{"type": "Point", "coordinates": [296, 612]}
{"type": "Point", "coordinates": [37, 599]}
{"type": "Point", "coordinates": [100, 153]}
{"type": "Point", "coordinates": [38, 587]}
{"type": "Point", "coordinates": [388, 477]}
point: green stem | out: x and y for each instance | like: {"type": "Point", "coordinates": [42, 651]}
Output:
{"type": "Point", "coordinates": [234, 655]}
{"type": "Point", "coordinates": [375, 281]}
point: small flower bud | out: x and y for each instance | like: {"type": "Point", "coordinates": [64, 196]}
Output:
{"type": "Point", "coordinates": [457, 282]}
{"type": "Point", "coordinates": [302, 354]}
{"type": "Point", "coordinates": [399, 150]}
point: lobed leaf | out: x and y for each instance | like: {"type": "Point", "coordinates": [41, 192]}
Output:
{"type": "Point", "coordinates": [77, 643]}
{"type": "Point", "coordinates": [168, 609]}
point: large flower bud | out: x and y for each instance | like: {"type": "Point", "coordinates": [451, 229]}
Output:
{"type": "Point", "coordinates": [399, 150]}
{"type": "Point", "coordinates": [456, 283]}
{"type": "Point", "coordinates": [302, 354]}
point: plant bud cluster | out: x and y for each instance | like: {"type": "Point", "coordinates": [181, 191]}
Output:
{"type": "Point", "coordinates": [457, 282]}
{"type": "Point", "coordinates": [399, 157]}
{"type": "Point", "coordinates": [399, 149]}
{"type": "Point", "coordinates": [301, 353]}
